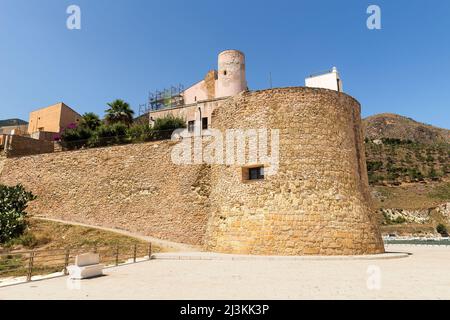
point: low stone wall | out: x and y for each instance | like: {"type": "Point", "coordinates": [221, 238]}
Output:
{"type": "Point", "coordinates": [22, 146]}
{"type": "Point", "coordinates": [132, 187]}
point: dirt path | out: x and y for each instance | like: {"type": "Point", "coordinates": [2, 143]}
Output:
{"type": "Point", "coordinates": [171, 246]}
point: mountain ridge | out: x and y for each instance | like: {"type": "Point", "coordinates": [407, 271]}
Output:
{"type": "Point", "coordinates": [12, 122]}
{"type": "Point", "coordinates": [395, 126]}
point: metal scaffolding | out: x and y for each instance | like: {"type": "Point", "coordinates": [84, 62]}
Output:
{"type": "Point", "coordinates": [168, 98]}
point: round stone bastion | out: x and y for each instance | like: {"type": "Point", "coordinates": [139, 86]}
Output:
{"type": "Point", "coordinates": [318, 201]}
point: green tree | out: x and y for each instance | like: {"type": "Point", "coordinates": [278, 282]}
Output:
{"type": "Point", "coordinates": [74, 138]}
{"type": "Point", "coordinates": [90, 121]}
{"type": "Point", "coordinates": [119, 112]}
{"type": "Point", "coordinates": [164, 127]}
{"type": "Point", "coordinates": [13, 202]}
{"type": "Point", "coordinates": [109, 135]}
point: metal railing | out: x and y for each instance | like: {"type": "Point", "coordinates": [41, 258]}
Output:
{"type": "Point", "coordinates": [44, 262]}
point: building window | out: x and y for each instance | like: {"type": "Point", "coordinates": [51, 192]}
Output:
{"type": "Point", "coordinates": [191, 126]}
{"type": "Point", "coordinates": [225, 72]}
{"type": "Point", "coordinates": [253, 173]}
{"type": "Point", "coordinates": [204, 123]}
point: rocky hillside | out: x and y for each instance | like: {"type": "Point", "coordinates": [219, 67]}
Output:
{"type": "Point", "coordinates": [409, 171]}
{"type": "Point", "coordinates": [401, 150]}
{"type": "Point", "coordinates": [12, 122]}
{"type": "Point", "coordinates": [393, 126]}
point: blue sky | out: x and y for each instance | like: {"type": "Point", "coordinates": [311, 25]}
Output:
{"type": "Point", "coordinates": [126, 48]}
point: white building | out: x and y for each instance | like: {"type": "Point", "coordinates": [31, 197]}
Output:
{"type": "Point", "coordinates": [329, 80]}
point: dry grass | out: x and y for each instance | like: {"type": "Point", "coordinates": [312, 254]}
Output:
{"type": "Point", "coordinates": [51, 239]}
{"type": "Point", "coordinates": [412, 196]}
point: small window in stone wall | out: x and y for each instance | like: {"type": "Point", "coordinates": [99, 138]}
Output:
{"type": "Point", "coordinates": [253, 173]}
{"type": "Point", "coordinates": [225, 72]}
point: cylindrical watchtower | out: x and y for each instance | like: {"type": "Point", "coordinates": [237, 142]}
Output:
{"type": "Point", "coordinates": [318, 202]}
{"type": "Point", "coordinates": [231, 74]}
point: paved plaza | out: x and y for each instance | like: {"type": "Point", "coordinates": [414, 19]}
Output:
{"type": "Point", "coordinates": [422, 275]}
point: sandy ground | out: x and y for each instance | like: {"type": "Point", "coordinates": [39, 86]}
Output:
{"type": "Point", "coordinates": [423, 275]}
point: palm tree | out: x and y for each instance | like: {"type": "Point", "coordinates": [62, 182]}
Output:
{"type": "Point", "coordinates": [90, 121]}
{"type": "Point", "coordinates": [119, 111]}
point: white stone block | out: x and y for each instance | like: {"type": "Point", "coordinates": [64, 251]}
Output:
{"type": "Point", "coordinates": [86, 266]}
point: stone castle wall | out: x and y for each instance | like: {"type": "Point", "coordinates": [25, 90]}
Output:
{"type": "Point", "coordinates": [317, 203]}
{"type": "Point", "coordinates": [132, 187]}
{"type": "Point", "coordinates": [18, 146]}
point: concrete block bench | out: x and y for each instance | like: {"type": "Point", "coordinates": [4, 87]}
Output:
{"type": "Point", "coordinates": [86, 266]}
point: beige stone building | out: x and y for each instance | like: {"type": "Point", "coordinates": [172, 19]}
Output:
{"type": "Point", "coordinates": [51, 119]}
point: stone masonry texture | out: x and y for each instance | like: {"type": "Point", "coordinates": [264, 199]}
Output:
{"type": "Point", "coordinates": [132, 187]}
{"type": "Point", "coordinates": [317, 204]}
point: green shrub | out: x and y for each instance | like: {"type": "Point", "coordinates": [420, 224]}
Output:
{"type": "Point", "coordinates": [169, 122]}
{"type": "Point", "coordinates": [415, 174]}
{"type": "Point", "coordinates": [28, 240]}
{"type": "Point", "coordinates": [141, 132]}
{"type": "Point", "coordinates": [388, 220]}
{"type": "Point", "coordinates": [108, 135]}
{"type": "Point", "coordinates": [442, 229]}
{"type": "Point", "coordinates": [74, 138]}
{"type": "Point", "coordinates": [433, 174]}
{"type": "Point", "coordinates": [399, 220]}
{"type": "Point", "coordinates": [13, 202]}
{"type": "Point", "coordinates": [374, 165]}
{"type": "Point", "coordinates": [113, 130]}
